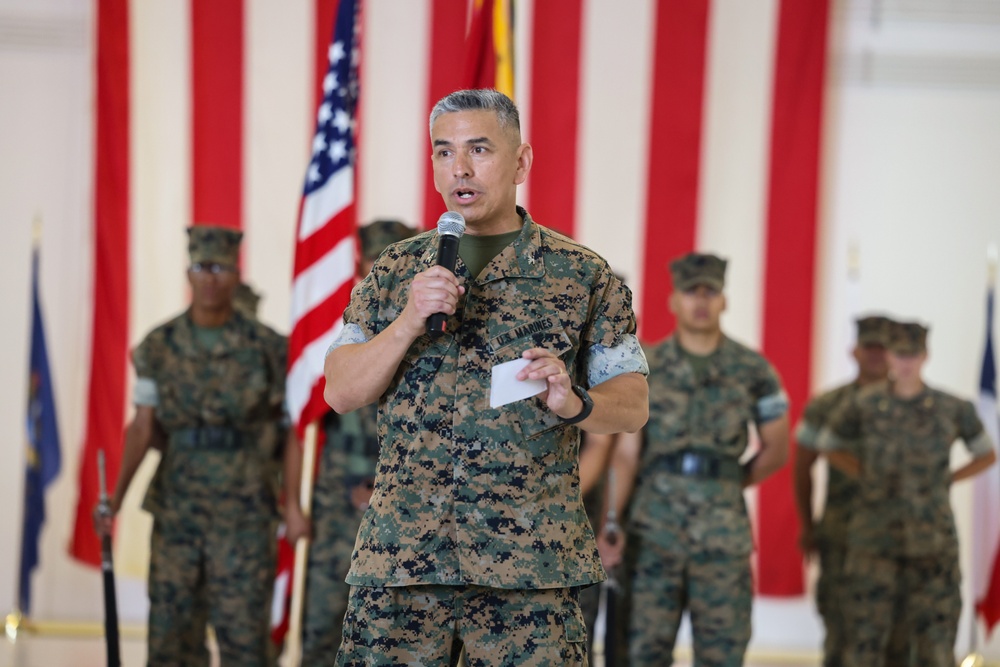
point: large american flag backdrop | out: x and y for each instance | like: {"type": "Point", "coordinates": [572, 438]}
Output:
{"type": "Point", "coordinates": [658, 128]}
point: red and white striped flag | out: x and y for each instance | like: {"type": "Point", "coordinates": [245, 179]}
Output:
{"type": "Point", "coordinates": [196, 122]}
{"type": "Point", "coordinates": [325, 242]}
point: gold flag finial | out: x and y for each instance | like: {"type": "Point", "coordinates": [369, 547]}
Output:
{"type": "Point", "coordinates": [992, 258]}
{"type": "Point", "coordinates": [854, 260]}
{"type": "Point", "coordinates": [36, 230]}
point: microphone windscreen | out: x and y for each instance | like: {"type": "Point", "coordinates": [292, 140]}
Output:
{"type": "Point", "coordinates": [451, 224]}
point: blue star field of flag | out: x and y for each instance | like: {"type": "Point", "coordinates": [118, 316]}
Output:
{"type": "Point", "coordinates": [333, 143]}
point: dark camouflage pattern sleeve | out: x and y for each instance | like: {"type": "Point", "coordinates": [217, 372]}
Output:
{"type": "Point", "coordinates": [843, 429]}
{"type": "Point", "coordinates": [364, 306]}
{"type": "Point", "coordinates": [142, 359]}
{"type": "Point", "coordinates": [612, 311]}
{"type": "Point", "coordinates": [770, 400]}
{"type": "Point", "coordinates": [816, 414]}
{"type": "Point", "coordinates": [276, 352]}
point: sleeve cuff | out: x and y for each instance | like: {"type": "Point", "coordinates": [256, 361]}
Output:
{"type": "Point", "coordinates": [604, 363]}
{"type": "Point", "coordinates": [981, 445]}
{"type": "Point", "coordinates": [806, 435]}
{"type": "Point", "coordinates": [145, 392]}
{"type": "Point", "coordinates": [349, 335]}
{"type": "Point", "coordinates": [772, 407]}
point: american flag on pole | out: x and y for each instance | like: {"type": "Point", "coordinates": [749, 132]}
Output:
{"type": "Point", "coordinates": [986, 490]}
{"type": "Point", "coordinates": [325, 243]}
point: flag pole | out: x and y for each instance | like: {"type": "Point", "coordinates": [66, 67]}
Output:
{"type": "Point", "coordinates": [974, 658]}
{"type": "Point", "coordinates": [293, 646]}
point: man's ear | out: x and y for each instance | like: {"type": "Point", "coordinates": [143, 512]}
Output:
{"type": "Point", "coordinates": [525, 156]}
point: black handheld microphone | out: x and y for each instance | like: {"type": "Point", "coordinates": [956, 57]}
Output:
{"type": "Point", "coordinates": [450, 228]}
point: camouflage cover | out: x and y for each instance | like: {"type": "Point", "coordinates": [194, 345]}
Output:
{"type": "Point", "coordinates": [695, 269]}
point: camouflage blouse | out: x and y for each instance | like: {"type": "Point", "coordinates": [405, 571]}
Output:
{"type": "Point", "coordinates": [466, 493]}
{"type": "Point", "coordinates": [904, 447]}
{"type": "Point", "coordinates": [235, 387]}
{"type": "Point", "coordinates": [710, 415]}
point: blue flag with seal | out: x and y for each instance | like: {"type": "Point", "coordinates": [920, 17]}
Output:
{"type": "Point", "coordinates": [43, 458]}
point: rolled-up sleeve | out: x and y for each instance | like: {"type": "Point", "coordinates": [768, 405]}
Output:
{"type": "Point", "coordinates": [604, 363]}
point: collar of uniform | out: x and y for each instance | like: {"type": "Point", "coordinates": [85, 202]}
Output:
{"type": "Point", "coordinates": [232, 335]}
{"type": "Point", "coordinates": [429, 256]}
{"type": "Point", "coordinates": [523, 257]}
{"type": "Point", "coordinates": [675, 355]}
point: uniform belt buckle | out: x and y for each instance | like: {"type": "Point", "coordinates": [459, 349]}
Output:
{"type": "Point", "coordinates": [691, 465]}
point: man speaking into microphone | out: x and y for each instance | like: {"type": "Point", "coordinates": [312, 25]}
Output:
{"type": "Point", "coordinates": [476, 535]}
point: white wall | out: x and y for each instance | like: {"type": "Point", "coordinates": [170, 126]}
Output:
{"type": "Point", "coordinates": [910, 169]}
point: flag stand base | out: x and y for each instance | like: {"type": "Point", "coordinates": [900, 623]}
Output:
{"type": "Point", "coordinates": [13, 623]}
{"type": "Point", "coordinates": [973, 660]}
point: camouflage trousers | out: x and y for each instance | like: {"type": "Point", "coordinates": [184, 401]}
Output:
{"type": "Point", "coordinates": [927, 589]}
{"type": "Point", "coordinates": [335, 527]}
{"type": "Point", "coordinates": [832, 603]}
{"type": "Point", "coordinates": [223, 577]}
{"type": "Point", "coordinates": [716, 589]}
{"type": "Point", "coordinates": [430, 625]}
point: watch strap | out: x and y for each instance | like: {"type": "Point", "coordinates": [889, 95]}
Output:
{"type": "Point", "coordinates": [588, 406]}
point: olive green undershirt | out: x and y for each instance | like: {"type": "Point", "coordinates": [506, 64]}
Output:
{"type": "Point", "coordinates": [478, 251]}
{"type": "Point", "coordinates": [207, 337]}
{"type": "Point", "coordinates": [699, 363]}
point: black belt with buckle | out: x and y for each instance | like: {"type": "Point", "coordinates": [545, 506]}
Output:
{"type": "Point", "coordinates": [703, 465]}
{"type": "Point", "coordinates": [207, 437]}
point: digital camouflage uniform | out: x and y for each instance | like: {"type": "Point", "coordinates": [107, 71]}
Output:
{"type": "Point", "coordinates": [902, 548]}
{"type": "Point", "coordinates": [476, 508]}
{"type": "Point", "coordinates": [213, 494]}
{"type": "Point", "coordinates": [689, 541]}
{"type": "Point", "coordinates": [830, 533]}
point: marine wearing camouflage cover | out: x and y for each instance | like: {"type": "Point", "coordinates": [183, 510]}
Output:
{"type": "Point", "coordinates": [466, 493]}
{"type": "Point", "coordinates": [831, 541]}
{"type": "Point", "coordinates": [901, 542]}
{"type": "Point", "coordinates": [347, 461]}
{"type": "Point", "coordinates": [689, 537]}
{"type": "Point", "coordinates": [212, 496]}
{"type": "Point", "coordinates": [831, 531]}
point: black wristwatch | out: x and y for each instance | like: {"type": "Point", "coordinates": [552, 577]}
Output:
{"type": "Point", "coordinates": [588, 406]}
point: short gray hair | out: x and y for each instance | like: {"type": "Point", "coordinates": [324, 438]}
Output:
{"type": "Point", "coordinates": [478, 99]}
